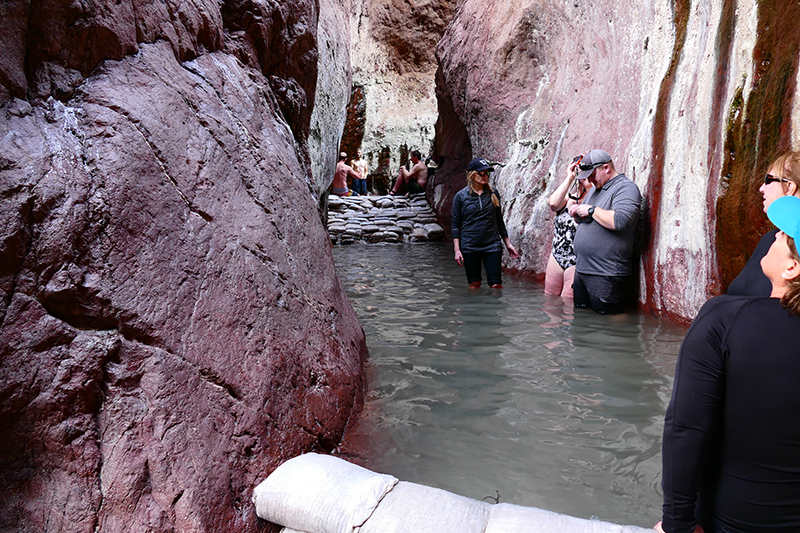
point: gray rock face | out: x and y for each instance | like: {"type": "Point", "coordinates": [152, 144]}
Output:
{"type": "Point", "coordinates": [374, 219]}
{"type": "Point", "coordinates": [171, 324]}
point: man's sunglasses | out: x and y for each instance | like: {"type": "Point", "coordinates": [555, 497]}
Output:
{"type": "Point", "coordinates": [769, 178]}
{"type": "Point", "coordinates": [592, 166]}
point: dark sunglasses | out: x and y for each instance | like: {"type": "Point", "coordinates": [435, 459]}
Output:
{"type": "Point", "coordinates": [484, 173]}
{"type": "Point", "coordinates": [769, 178]}
{"type": "Point", "coordinates": [592, 166]}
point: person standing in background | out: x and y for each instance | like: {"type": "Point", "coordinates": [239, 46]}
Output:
{"type": "Point", "coordinates": [479, 232]}
{"type": "Point", "coordinates": [604, 239]}
{"type": "Point", "coordinates": [561, 263]}
{"type": "Point", "coordinates": [339, 185]}
{"type": "Point", "coordinates": [360, 166]}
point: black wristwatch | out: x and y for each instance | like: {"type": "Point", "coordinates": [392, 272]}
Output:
{"type": "Point", "coordinates": [591, 212]}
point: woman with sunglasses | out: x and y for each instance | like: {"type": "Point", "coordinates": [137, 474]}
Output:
{"type": "Point", "coordinates": [479, 232]}
{"type": "Point", "coordinates": [730, 449]}
{"type": "Point", "coordinates": [783, 179]}
{"type": "Point", "coordinates": [561, 263]}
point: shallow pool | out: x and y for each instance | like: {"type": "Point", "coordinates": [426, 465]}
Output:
{"type": "Point", "coordinates": [501, 391]}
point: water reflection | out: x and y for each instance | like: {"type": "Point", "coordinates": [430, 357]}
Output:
{"type": "Point", "coordinates": [488, 391]}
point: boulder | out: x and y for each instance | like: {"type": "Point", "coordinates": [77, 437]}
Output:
{"type": "Point", "coordinates": [168, 289]}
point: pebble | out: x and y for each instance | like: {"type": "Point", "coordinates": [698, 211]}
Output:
{"type": "Point", "coordinates": [376, 219]}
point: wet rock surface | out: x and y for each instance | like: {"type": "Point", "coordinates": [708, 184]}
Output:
{"type": "Point", "coordinates": [680, 95]}
{"type": "Point", "coordinates": [171, 323]}
{"type": "Point", "coordinates": [382, 219]}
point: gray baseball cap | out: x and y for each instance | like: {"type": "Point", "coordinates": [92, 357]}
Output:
{"type": "Point", "coordinates": [591, 161]}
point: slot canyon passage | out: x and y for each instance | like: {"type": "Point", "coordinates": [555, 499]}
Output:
{"type": "Point", "coordinates": [172, 325]}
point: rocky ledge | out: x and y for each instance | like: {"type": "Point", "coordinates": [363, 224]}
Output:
{"type": "Point", "coordinates": [374, 219]}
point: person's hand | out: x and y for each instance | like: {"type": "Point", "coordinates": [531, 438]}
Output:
{"type": "Point", "coordinates": [580, 210]}
{"type": "Point", "coordinates": [512, 251]}
{"type": "Point", "coordinates": [459, 258]}
{"type": "Point", "coordinates": [573, 209]}
{"type": "Point", "coordinates": [573, 168]}
{"type": "Point", "coordinates": [657, 527]}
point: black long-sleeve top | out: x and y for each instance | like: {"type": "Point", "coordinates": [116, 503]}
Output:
{"type": "Point", "coordinates": [751, 281]}
{"type": "Point", "coordinates": [477, 222]}
{"type": "Point", "coordinates": [732, 430]}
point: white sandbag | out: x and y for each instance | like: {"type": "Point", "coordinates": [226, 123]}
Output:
{"type": "Point", "coordinates": [412, 508]}
{"type": "Point", "coordinates": [508, 518]}
{"type": "Point", "coordinates": [320, 494]}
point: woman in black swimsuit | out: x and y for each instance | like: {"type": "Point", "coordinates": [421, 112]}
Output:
{"type": "Point", "coordinates": [561, 263]}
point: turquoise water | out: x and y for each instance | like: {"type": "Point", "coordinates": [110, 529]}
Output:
{"type": "Point", "coordinates": [502, 391]}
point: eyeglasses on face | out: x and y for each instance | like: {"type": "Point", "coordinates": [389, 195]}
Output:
{"type": "Point", "coordinates": [484, 173]}
{"type": "Point", "coordinates": [769, 178]}
{"type": "Point", "coordinates": [591, 166]}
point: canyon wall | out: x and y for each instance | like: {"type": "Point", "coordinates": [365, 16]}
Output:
{"type": "Point", "coordinates": [691, 99]}
{"type": "Point", "coordinates": [393, 107]}
{"type": "Point", "coordinates": [171, 324]}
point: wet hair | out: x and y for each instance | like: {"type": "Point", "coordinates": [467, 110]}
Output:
{"type": "Point", "coordinates": [789, 165]}
{"type": "Point", "coordinates": [471, 182]}
{"type": "Point", "coordinates": [415, 153]}
{"type": "Point", "coordinates": [791, 298]}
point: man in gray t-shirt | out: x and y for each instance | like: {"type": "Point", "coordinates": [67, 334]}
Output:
{"type": "Point", "coordinates": [604, 240]}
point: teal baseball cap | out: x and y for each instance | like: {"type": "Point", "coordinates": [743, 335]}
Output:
{"type": "Point", "coordinates": [785, 214]}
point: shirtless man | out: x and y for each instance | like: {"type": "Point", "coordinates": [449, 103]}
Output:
{"type": "Point", "coordinates": [360, 166]}
{"type": "Point", "coordinates": [414, 180]}
{"type": "Point", "coordinates": [340, 178]}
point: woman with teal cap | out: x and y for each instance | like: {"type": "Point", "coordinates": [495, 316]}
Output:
{"type": "Point", "coordinates": [731, 449]}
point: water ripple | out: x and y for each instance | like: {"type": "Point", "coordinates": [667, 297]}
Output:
{"type": "Point", "coordinates": [483, 391]}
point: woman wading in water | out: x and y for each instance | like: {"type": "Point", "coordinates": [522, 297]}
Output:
{"type": "Point", "coordinates": [479, 232]}
{"type": "Point", "coordinates": [561, 263]}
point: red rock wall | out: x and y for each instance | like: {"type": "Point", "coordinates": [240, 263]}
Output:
{"type": "Point", "coordinates": [692, 99]}
{"type": "Point", "coordinates": [171, 323]}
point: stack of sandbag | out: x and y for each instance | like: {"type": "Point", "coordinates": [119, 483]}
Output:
{"type": "Point", "coordinates": [316, 493]}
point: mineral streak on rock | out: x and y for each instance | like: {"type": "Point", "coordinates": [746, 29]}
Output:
{"type": "Point", "coordinates": [759, 125]}
{"type": "Point", "coordinates": [171, 323]}
{"type": "Point", "coordinates": [693, 100]}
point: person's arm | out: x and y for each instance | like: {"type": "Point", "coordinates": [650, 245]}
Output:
{"type": "Point", "coordinates": [455, 227]}
{"type": "Point", "coordinates": [353, 173]}
{"type": "Point", "coordinates": [510, 247]}
{"type": "Point", "coordinates": [501, 229]}
{"type": "Point", "coordinates": [458, 255]}
{"type": "Point", "coordinates": [693, 414]}
{"type": "Point", "coordinates": [626, 201]}
{"type": "Point", "coordinates": [659, 529]}
{"type": "Point", "coordinates": [420, 174]}
{"type": "Point", "coordinates": [558, 199]}
{"type": "Point", "coordinates": [604, 217]}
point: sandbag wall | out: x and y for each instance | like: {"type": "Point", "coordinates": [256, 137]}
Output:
{"type": "Point", "coordinates": [376, 219]}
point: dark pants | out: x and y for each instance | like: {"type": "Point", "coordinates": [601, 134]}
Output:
{"type": "Point", "coordinates": [360, 186]}
{"type": "Point", "coordinates": [491, 262]}
{"type": "Point", "coordinates": [601, 294]}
